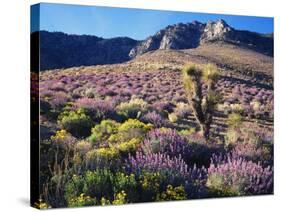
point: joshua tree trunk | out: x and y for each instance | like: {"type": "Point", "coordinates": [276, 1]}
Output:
{"type": "Point", "coordinates": [203, 111]}
{"type": "Point", "coordinates": [205, 130]}
{"type": "Point", "coordinates": [203, 119]}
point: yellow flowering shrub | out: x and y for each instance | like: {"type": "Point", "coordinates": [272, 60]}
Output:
{"type": "Point", "coordinates": [102, 131]}
{"type": "Point", "coordinates": [107, 153]}
{"type": "Point", "coordinates": [105, 201]}
{"type": "Point", "coordinates": [128, 183]}
{"type": "Point", "coordinates": [187, 132]}
{"type": "Point", "coordinates": [41, 204]}
{"type": "Point", "coordinates": [234, 120]}
{"type": "Point", "coordinates": [60, 135]}
{"type": "Point", "coordinates": [82, 200]}
{"type": "Point", "coordinates": [128, 146]}
{"type": "Point", "coordinates": [132, 109]}
{"type": "Point", "coordinates": [132, 128]}
{"type": "Point", "coordinates": [134, 124]}
{"type": "Point", "coordinates": [120, 198]}
{"type": "Point", "coordinates": [172, 193]}
{"type": "Point", "coordinates": [150, 185]}
{"type": "Point", "coordinates": [77, 122]}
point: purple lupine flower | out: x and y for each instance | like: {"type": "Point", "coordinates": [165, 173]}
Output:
{"type": "Point", "coordinates": [158, 140]}
{"type": "Point", "coordinates": [192, 149]}
{"type": "Point", "coordinates": [98, 108]}
{"type": "Point", "coordinates": [155, 119]}
{"type": "Point", "coordinates": [59, 99]}
{"type": "Point", "coordinates": [175, 170]}
{"type": "Point", "coordinates": [250, 151]}
{"type": "Point", "coordinates": [239, 176]}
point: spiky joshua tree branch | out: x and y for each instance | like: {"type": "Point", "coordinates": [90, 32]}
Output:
{"type": "Point", "coordinates": [203, 105]}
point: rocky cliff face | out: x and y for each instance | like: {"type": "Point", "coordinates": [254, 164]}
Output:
{"type": "Point", "coordinates": [215, 31]}
{"type": "Point", "coordinates": [178, 36]}
{"type": "Point", "coordinates": [191, 35]}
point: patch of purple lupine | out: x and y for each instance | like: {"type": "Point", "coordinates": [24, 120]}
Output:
{"type": "Point", "coordinates": [148, 86]}
{"type": "Point", "coordinates": [158, 162]}
{"type": "Point", "coordinates": [253, 152]}
{"type": "Point", "coordinates": [192, 149]}
{"type": "Point", "coordinates": [245, 176]}
{"type": "Point", "coordinates": [175, 169]}
{"type": "Point", "coordinates": [155, 119]}
{"type": "Point", "coordinates": [158, 140]}
{"type": "Point", "coordinates": [59, 99]}
{"type": "Point", "coordinates": [85, 102]}
{"type": "Point", "coordinates": [100, 108]}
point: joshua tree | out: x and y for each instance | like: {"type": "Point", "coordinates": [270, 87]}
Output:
{"type": "Point", "coordinates": [203, 103]}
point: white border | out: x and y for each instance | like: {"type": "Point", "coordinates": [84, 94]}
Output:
{"type": "Point", "coordinates": [14, 95]}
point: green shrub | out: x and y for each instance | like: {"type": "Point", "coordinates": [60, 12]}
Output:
{"type": "Point", "coordinates": [76, 122]}
{"type": "Point", "coordinates": [232, 136]}
{"type": "Point", "coordinates": [130, 129]}
{"type": "Point", "coordinates": [101, 187]}
{"type": "Point", "coordinates": [82, 200]}
{"type": "Point", "coordinates": [105, 201]}
{"type": "Point", "coordinates": [187, 132]}
{"type": "Point", "coordinates": [73, 188]}
{"type": "Point", "coordinates": [79, 155]}
{"type": "Point", "coordinates": [91, 93]}
{"type": "Point", "coordinates": [151, 184]}
{"type": "Point", "coordinates": [41, 204]}
{"type": "Point", "coordinates": [99, 183]}
{"type": "Point", "coordinates": [63, 139]}
{"type": "Point", "coordinates": [172, 193]}
{"type": "Point", "coordinates": [132, 109]}
{"type": "Point", "coordinates": [120, 198]}
{"type": "Point", "coordinates": [128, 184]}
{"type": "Point", "coordinates": [128, 147]}
{"type": "Point", "coordinates": [234, 120]}
{"type": "Point", "coordinates": [103, 131]}
{"type": "Point", "coordinates": [96, 184]}
{"type": "Point", "coordinates": [101, 156]}
{"type": "Point", "coordinates": [216, 187]}
{"type": "Point", "coordinates": [237, 108]}
{"type": "Point", "coordinates": [248, 133]}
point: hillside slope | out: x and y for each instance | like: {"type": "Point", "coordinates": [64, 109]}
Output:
{"type": "Point", "coordinates": [60, 50]}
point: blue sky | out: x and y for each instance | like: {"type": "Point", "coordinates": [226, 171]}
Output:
{"type": "Point", "coordinates": [108, 22]}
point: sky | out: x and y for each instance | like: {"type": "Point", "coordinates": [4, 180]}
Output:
{"type": "Point", "coordinates": [108, 22]}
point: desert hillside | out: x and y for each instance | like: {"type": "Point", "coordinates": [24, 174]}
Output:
{"type": "Point", "coordinates": [176, 116]}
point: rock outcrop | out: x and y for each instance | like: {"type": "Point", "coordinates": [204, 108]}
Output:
{"type": "Point", "coordinates": [191, 35]}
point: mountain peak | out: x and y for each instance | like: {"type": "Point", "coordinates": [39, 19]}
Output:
{"type": "Point", "coordinates": [195, 22]}
{"type": "Point", "coordinates": [215, 30]}
{"type": "Point", "coordinates": [176, 36]}
{"type": "Point", "coordinates": [222, 22]}
{"type": "Point", "coordinates": [195, 33]}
